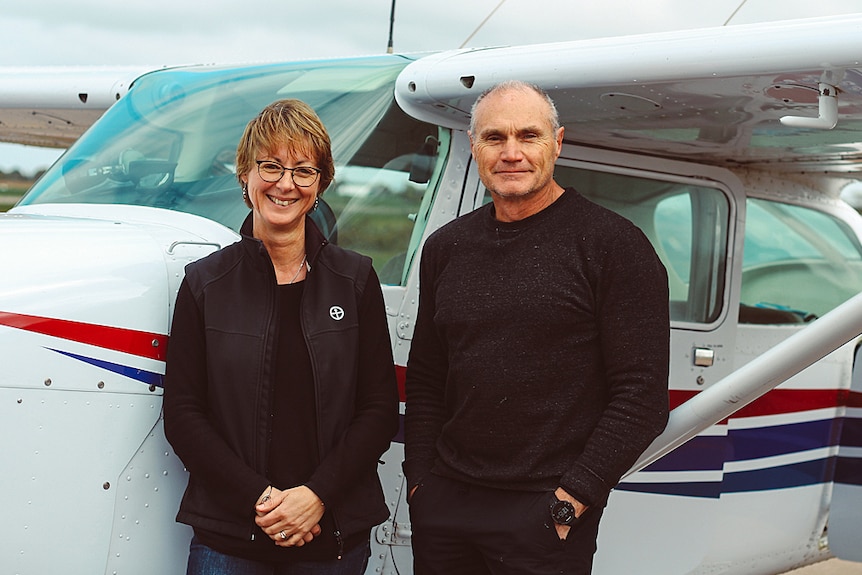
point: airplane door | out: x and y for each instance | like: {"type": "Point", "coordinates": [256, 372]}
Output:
{"type": "Point", "coordinates": [691, 221]}
{"type": "Point", "coordinates": [690, 214]}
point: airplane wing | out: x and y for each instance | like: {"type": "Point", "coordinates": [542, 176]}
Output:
{"type": "Point", "coordinates": [52, 107]}
{"type": "Point", "coordinates": [713, 95]}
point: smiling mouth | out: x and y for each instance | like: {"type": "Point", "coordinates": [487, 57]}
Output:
{"type": "Point", "coordinates": [282, 203]}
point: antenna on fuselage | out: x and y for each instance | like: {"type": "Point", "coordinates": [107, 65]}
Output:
{"type": "Point", "coordinates": [726, 22]}
{"type": "Point", "coordinates": [391, 27]}
{"type": "Point", "coordinates": [488, 17]}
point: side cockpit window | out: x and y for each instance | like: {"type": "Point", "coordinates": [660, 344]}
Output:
{"type": "Point", "coordinates": [687, 224]}
{"type": "Point", "coordinates": [381, 194]}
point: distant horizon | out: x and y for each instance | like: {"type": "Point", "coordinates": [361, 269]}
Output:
{"type": "Point", "coordinates": [27, 160]}
{"type": "Point", "coordinates": [16, 174]}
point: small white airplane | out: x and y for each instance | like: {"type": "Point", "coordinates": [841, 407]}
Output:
{"type": "Point", "coordinates": [729, 147]}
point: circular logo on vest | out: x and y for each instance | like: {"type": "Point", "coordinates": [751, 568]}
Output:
{"type": "Point", "coordinates": [336, 312]}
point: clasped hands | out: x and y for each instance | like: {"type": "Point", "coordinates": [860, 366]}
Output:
{"type": "Point", "coordinates": [291, 517]}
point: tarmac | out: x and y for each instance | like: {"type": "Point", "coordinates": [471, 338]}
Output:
{"type": "Point", "coordinates": [830, 567]}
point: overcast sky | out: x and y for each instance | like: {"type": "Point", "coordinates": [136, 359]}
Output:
{"type": "Point", "coordinates": [168, 32]}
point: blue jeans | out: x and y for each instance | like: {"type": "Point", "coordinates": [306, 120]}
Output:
{"type": "Point", "coordinates": [206, 561]}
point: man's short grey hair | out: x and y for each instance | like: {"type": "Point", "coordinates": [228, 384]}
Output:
{"type": "Point", "coordinates": [516, 85]}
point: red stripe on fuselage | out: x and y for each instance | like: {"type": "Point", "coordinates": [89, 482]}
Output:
{"type": "Point", "coordinates": [140, 343]}
{"type": "Point", "coordinates": [775, 402]}
{"type": "Point", "coordinates": [780, 401]}
{"type": "Point", "coordinates": [401, 377]}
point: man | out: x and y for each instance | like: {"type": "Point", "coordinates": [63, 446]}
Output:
{"type": "Point", "coordinates": [538, 369]}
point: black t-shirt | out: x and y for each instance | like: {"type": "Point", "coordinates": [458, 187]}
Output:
{"type": "Point", "coordinates": [293, 454]}
{"type": "Point", "coordinates": [293, 441]}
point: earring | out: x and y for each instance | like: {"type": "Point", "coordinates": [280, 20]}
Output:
{"type": "Point", "coordinates": [316, 203]}
{"type": "Point", "coordinates": [245, 193]}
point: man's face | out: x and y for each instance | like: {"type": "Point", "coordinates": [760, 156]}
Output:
{"type": "Point", "coordinates": [514, 144]}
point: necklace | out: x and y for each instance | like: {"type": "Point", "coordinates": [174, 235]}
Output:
{"type": "Point", "coordinates": [301, 264]}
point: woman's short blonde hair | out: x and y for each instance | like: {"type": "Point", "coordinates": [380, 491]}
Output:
{"type": "Point", "coordinates": [291, 123]}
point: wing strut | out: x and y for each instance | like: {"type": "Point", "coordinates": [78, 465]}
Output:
{"type": "Point", "coordinates": [828, 111]}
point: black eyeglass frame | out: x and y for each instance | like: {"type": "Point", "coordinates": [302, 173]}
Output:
{"type": "Point", "coordinates": [317, 172]}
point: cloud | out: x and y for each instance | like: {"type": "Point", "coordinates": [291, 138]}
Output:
{"type": "Point", "coordinates": [99, 32]}
{"type": "Point", "coordinates": [164, 32]}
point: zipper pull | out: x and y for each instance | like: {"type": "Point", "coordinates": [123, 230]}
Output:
{"type": "Point", "coordinates": [340, 544]}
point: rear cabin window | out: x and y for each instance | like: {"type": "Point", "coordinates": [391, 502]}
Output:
{"type": "Point", "coordinates": [798, 263]}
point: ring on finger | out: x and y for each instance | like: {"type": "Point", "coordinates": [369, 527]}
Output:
{"type": "Point", "coordinates": [282, 535]}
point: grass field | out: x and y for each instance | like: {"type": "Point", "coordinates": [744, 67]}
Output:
{"type": "Point", "coordinates": [11, 191]}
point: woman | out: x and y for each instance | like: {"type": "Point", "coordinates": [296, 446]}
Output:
{"type": "Point", "coordinates": [280, 392]}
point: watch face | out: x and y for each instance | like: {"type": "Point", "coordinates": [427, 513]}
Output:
{"type": "Point", "coordinates": [563, 513]}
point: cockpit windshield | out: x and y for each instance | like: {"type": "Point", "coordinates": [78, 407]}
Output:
{"type": "Point", "coordinates": [171, 142]}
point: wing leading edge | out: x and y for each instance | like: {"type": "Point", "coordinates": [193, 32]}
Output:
{"type": "Point", "coordinates": [52, 107]}
{"type": "Point", "coordinates": [714, 95]}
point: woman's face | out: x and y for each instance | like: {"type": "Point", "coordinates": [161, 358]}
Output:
{"type": "Point", "coordinates": [280, 206]}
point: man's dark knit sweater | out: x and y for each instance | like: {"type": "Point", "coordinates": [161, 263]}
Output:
{"type": "Point", "coordinates": [540, 356]}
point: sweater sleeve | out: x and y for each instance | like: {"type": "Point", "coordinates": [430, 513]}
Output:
{"type": "Point", "coordinates": [375, 418]}
{"type": "Point", "coordinates": [634, 329]}
{"type": "Point", "coordinates": [187, 424]}
{"type": "Point", "coordinates": [427, 369]}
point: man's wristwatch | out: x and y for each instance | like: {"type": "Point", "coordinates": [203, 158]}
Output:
{"type": "Point", "coordinates": [563, 512]}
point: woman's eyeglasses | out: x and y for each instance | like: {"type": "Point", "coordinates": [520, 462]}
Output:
{"type": "Point", "coordinates": [302, 176]}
